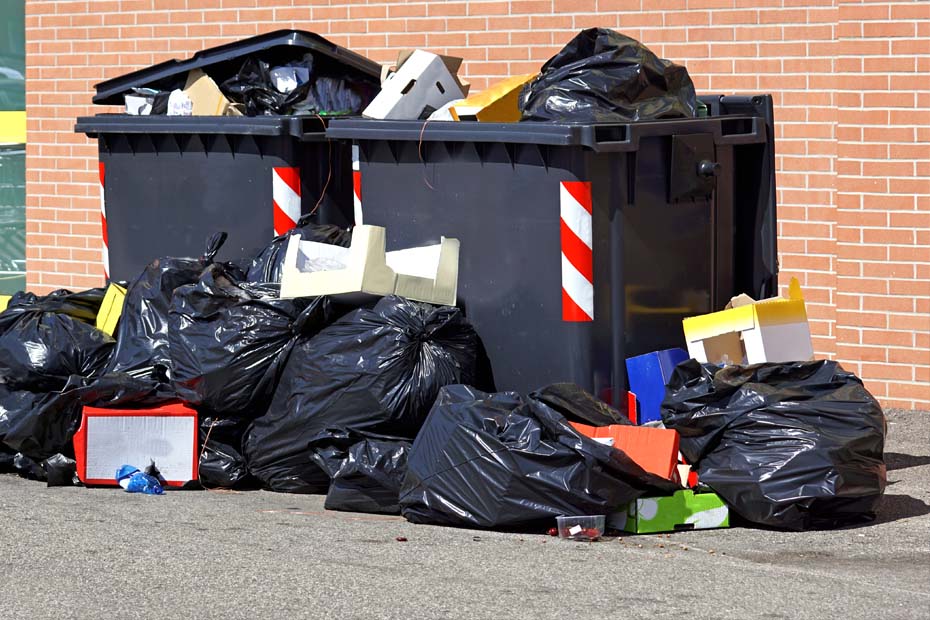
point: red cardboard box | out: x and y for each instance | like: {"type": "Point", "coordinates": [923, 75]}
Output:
{"type": "Point", "coordinates": [110, 438]}
{"type": "Point", "coordinates": [653, 449]}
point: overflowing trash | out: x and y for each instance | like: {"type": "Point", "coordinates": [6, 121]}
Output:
{"type": "Point", "coordinates": [604, 76]}
{"type": "Point", "coordinates": [325, 363]}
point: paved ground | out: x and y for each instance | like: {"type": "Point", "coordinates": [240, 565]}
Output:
{"type": "Point", "coordinates": [73, 552]}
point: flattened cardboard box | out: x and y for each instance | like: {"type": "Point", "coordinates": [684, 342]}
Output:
{"type": "Point", "coordinates": [684, 510]}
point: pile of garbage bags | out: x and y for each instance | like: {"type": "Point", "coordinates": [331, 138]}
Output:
{"type": "Point", "coordinates": [382, 407]}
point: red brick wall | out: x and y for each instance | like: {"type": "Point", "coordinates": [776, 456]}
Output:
{"type": "Point", "coordinates": [849, 80]}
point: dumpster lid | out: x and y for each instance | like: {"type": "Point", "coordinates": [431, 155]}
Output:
{"type": "Point", "coordinates": [224, 61]}
{"type": "Point", "coordinates": [305, 128]}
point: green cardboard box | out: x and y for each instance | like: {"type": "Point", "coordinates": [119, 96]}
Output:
{"type": "Point", "coordinates": [685, 510]}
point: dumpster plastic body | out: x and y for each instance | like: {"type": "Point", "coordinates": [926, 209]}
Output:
{"type": "Point", "coordinates": [581, 245]}
{"type": "Point", "coordinates": [168, 182]}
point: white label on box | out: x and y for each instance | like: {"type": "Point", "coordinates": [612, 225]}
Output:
{"type": "Point", "coordinates": [575, 530]}
{"type": "Point", "coordinates": [113, 441]}
{"type": "Point", "coordinates": [607, 441]}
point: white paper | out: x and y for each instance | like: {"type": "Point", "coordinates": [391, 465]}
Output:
{"type": "Point", "coordinates": [179, 104]}
{"type": "Point", "coordinates": [138, 105]}
{"type": "Point", "coordinates": [575, 530]}
{"type": "Point", "coordinates": [607, 441]}
{"type": "Point", "coordinates": [114, 441]}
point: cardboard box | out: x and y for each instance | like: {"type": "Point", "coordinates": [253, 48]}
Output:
{"type": "Point", "coordinates": [648, 375]}
{"type": "Point", "coordinates": [422, 83]}
{"type": "Point", "coordinates": [207, 97]}
{"type": "Point", "coordinates": [4, 301]}
{"type": "Point", "coordinates": [653, 449]}
{"type": "Point", "coordinates": [684, 510]}
{"type": "Point", "coordinates": [111, 438]}
{"type": "Point", "coordinates": [752, 332]}
{"type": "Point", "coordinates": [111, 308]}
{"type": "Point", "coordinates": [497, 104]}
{"type": "Point", "coordinates": [364, 269]}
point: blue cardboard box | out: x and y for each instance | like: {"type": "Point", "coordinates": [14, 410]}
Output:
{"type": "Point", "coordinates": [648, 375]}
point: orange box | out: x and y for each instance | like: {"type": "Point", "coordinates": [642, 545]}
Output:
{"type": "Point", "coordinates": [653, 449]}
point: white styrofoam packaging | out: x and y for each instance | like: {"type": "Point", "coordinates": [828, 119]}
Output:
{"type": "Point", "coordinates": [109, 439]}
{"type": "Point", "coordinates": [364, 269]}
{"type": "Point", "coordinates": [423, 82]}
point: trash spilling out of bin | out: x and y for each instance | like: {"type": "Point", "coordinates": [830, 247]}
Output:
{"type": "Point", "coordinates": [395, 291]}
{"type": "Point", "coordinates": [420, 83]}
{"type": "Point", "coordinates": [604, 76]}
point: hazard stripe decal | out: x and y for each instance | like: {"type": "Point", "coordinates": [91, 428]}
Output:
{"type": "Point", "coordinates": [576, 232]}
{"type": "Point", "coordinates": [105, 246]}
{"type": "Point", "coordinates": [356, 186]}
{"type": "Point", "coordinates": [285, 196]}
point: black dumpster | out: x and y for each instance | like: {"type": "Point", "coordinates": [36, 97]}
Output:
{"type": "Point", "coordinates": [168, 182]}
{"type": "Point", "coordinates": [581, 244]}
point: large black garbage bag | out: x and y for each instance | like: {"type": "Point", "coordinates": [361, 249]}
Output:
{"type": "Point", "coordinates": [366, 471]}
{"type": "Point", "coordinates": [795, 445]}
{"type": "Point", "coordinates": [42, 424]}
{"type": "Point", "coordinates": [266, 267]}
{"type": "Point", "coordinates": [83, 305]}
{"type": "Point", "coordinates": [497, 460]}
{"type": "Point", "coordinates": [45, 340]}
{"type": "Point", "coordinates": [142, 332]}
{"type": "Point", "coordinates": [370, 478]}
{"type": "Point", "coordinates": [604, 76]}
{"type": "Point", "coordinates": [221, 462]}
{"type": "Point", "coordinates": [372, 371]}
{"type": "Point", "coordinates": [42, 349]}
{"type": "Point", "coordinates": [227, 340]}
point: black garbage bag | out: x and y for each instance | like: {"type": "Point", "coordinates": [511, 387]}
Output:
{"type": "Point", "coordinates": [370, 478]}
{"type": "Point", "coordinates": [365, 470]}
{"type": "Point", "coordinates": [221, 462]}
{"type": "Point", "coordinates": [794, 445]}
{"type": "Point", "coordinates": [60, 471]}
{"type": "Point", "coordinates": [42, 424]}
{"type": "Point", "coordinates": [142, 332]}
{"type": "Point", "coordinates": [228, 339]}
{"type": "Point", "coordinates": [83, 305]}
{"type": "Point", "coordinates": [42, 349]}
{"type": "Point", "coordinates": [266, 267]}
{"type": "Point", "coordinates": [336, 96]}
{"type": "Point", "coordinates": [372, 371]}
{"type": "Point", "coordinates": [28, 468]}
{"type": "Point", "coordinates": [604, 76]}
{"type": "Point", "coordinates": [45, 340]}
{"type": "Point", "coordinates": [253, 87]}
{"type": "Point", "coordinates": [497, 460]}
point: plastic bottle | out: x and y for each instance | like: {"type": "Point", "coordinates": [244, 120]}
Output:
{"type": "Point", "coordinates": [135, 481]}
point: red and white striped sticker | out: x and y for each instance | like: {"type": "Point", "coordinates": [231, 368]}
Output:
{"type": "Point", "coordinates": [577, 255]}
{"type": "Point", "coordinates": [105, 251]}
{"type": "Point", "coordinates": [285, 194]}
{"type": "Point", "coordinates": [356, 186]}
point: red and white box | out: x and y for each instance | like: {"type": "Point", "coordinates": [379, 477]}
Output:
{"type": "Point", "coordinates": [110, 438]}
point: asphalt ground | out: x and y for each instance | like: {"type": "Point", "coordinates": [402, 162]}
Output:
{"type": "Point", "coordinates": [103, 553]}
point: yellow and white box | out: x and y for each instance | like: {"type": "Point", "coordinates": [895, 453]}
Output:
{"type": "Point", "coordinates": [752, 332]}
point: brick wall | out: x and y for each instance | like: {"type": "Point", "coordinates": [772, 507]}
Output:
{"type": "Point", "coordinates": [849, 80]}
